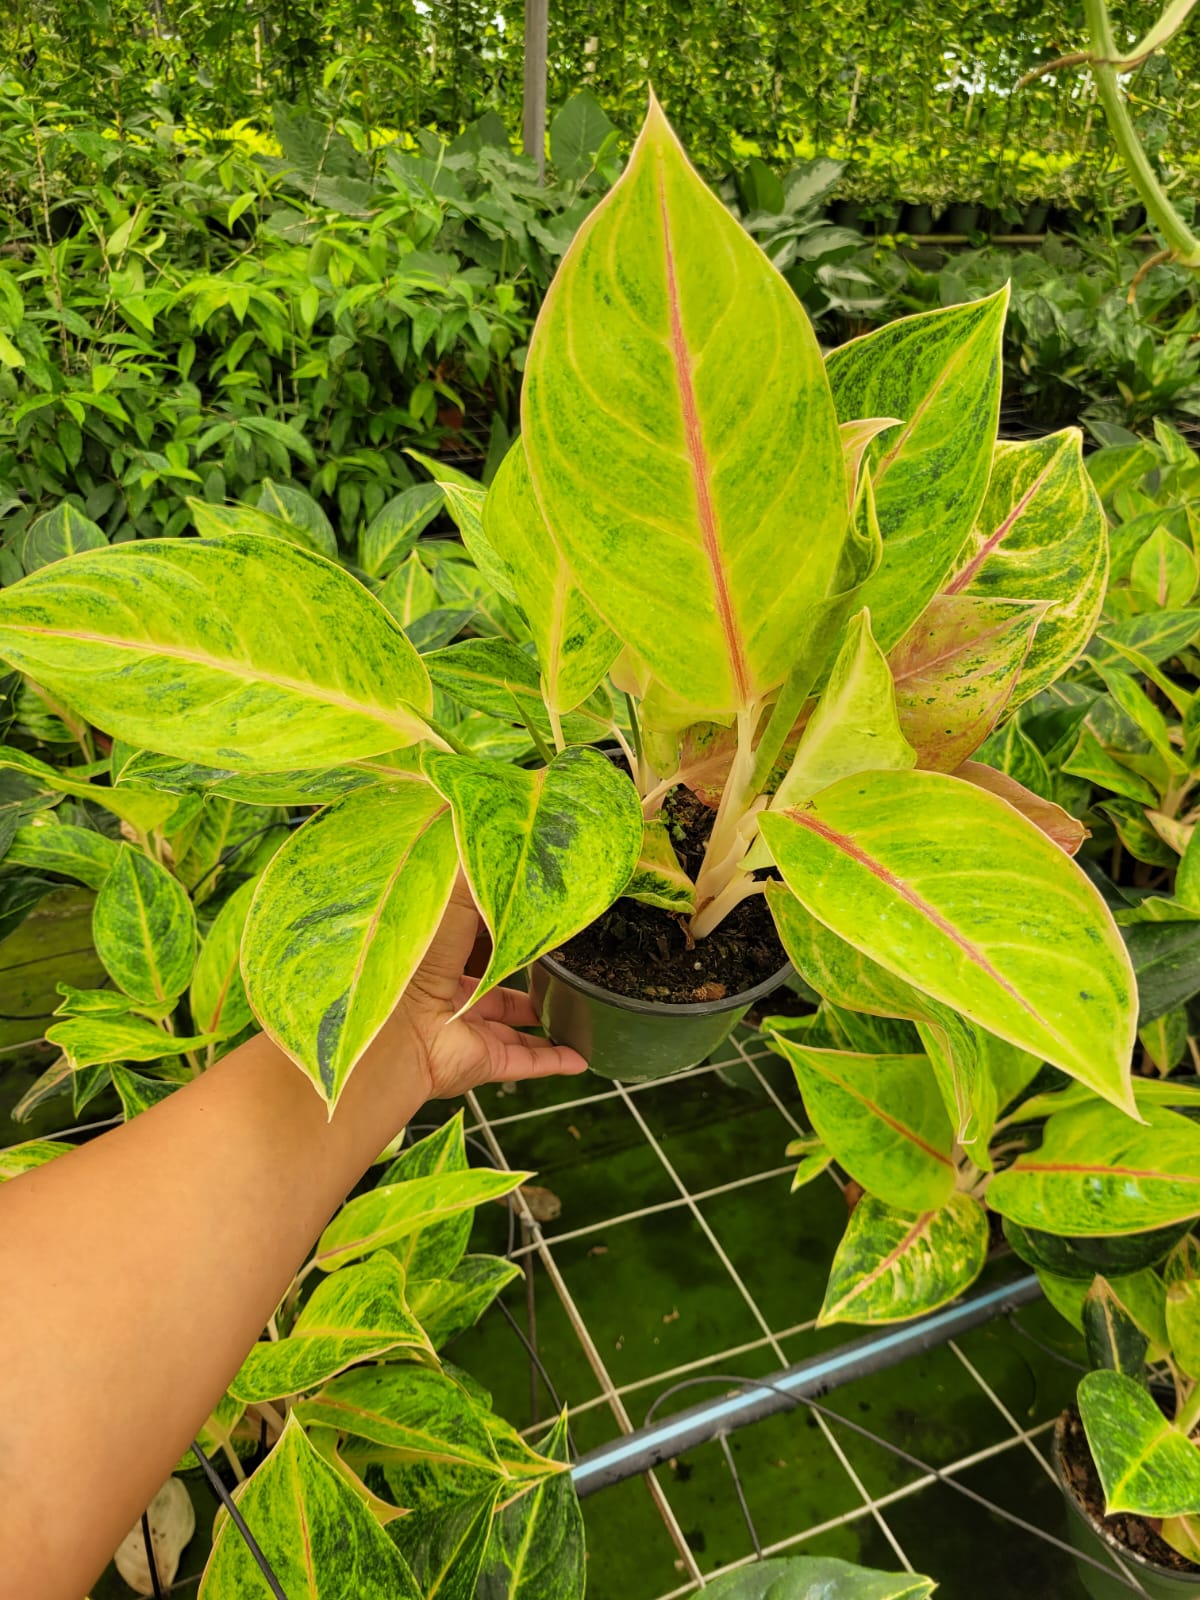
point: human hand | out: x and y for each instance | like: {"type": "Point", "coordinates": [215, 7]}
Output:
{"type": "Point", "coordinates": [483, 1045]}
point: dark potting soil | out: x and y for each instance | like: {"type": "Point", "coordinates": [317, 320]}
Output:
{"type": "Point", "coordinates": [647, 954]}
{"type": "Point", "coordinates": [1135, 1533]}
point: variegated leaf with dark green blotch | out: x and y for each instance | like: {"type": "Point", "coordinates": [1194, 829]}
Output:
{"type": "Point", "coordinates": [1129, 696]}
{"type": "Point", "coordinates": [288, 663]}
{"type": "Point", "coordinates": [817, 1578]}
{"type": "Point", "coordinates": [1098, 1172]}
{"type": "Point", "coordinates": [574, 647]}
{"type": "Point", "coordinates": [446, 1307]}
{"type": "Point", "coordinates": [218, 1432]}
{"type": "Point", "coordinates": [445, 1548]}
{"type": "Point", "coordinates": [144, 928]}
{"type": "Point", "coordinates": [1141, 1296]}
{"type": "Point", "coordinates": [1146, 1465]}
{"type": "Point", "coordinates": [956, 893]}
{"type": "Point", "coordinates": [1165, 1040]}
{"type": "Point", "coordinates": [384, 1215]}
{"type": "Point", "coordinates": [300, 511]}
{"type": "Point", "coordinates": [341, 919]}
{"type": "Point", "coordinates": [150, 770]}
{"type": "Point", "coordinates": [940, 372]}
{"type": "Point", "coordinates": [435, 1251]}
{"type": "Point", "coordinates": [882, 1117]}
{"type": "Point", "coordinates": [498, 677]}
{"type": "Point", "coordinates": [87, 1041]}
{"type": "Point", "coordinates": [892, 1265]}
{"type": "Point", "coordinates": [1010, 751]}
{"type": "Point", "coordinates": [396, 527]}
{"type": "Point", "coordinates": [357, 1314]}
{"type": "Point", "coordinates": [320, 1539]}
{"type": "Point", "coordinates": [673, 427]}
{"type": "Point", "coordinates": [1163, 574]}
{"type": "Point", "coordinates": [1114, 1340]}
{"type": "Point", "coordinates": [218, 995]}
{"type": "Point", "coordinates": [545, 852]}
{"type": "Point", "coordinates": [1158, 635]}
{"type": "Point", "coordinates": [855, 728]}
{"type": "Point", "coordinates": [219, 831]}
{"type": "Point", "coordinates": [1181, 1271]}
{"type": "Point", "coordinates": [1092, 761]}
{"type": "Point", "coordinates": [463, 586]}
{"type": "Point", "coordinates": [409, 592]}
{"type": "Point", "coordinates": [136, 1092]}
{"type": "Point", "coordinates": [222, 521]}
{"type": "Point", "coordinates": [658, 879]}
{"type": "Point", "coordinates": [79, 853]}
{"type": "Point", "coordinates": [1040, 536]}
{"type": "Point", "coordinates": [145, 812]}
{"type": "Point", "coordinates": [410, 1413]}
{"type": "Point", "coordinates": [537, 1545]}
{"type": "Point", "coordinates": [19, 1158]}
{"type": "Point", "coordinates": [464, 501]}
{"type": "Point", "coordinates": [1067, 832]}
{"type": "Point", "coordinates": [954, 672]}
{"type": "Point", "coordinates": [59, 533]}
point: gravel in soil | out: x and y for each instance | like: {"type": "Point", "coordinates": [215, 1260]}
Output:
{"type": "Point", "coordinates": [1134, 1533]}
{"type": "Point", "coordinates": [647, 954]}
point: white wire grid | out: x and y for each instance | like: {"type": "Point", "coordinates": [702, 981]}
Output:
{"type": "Point", "coordinates": [1021, 1448]}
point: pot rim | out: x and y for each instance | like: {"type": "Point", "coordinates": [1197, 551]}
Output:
{"type": "Point", "coordinates": [1121, 1551]}
{"type": "Point", "coordinates": [664, 1008]}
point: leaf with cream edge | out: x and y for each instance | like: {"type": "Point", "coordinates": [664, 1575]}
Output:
{"type": "Point", "coordinates": [677, 423]}
{"type": "Point", "coordinates": [357, 1314]}
{"type": "Point", "coordinates": [144, 928]}
{"type": "Point", "coordinates": [1066, 831]}
{"type": "Point", "coordinates": [575, 649]}
{"type": "Point", "coordinates": [891, 1265]}
{"type": "Point", "coordinates": [145, 812]}
{"type": "Point", "coordinates": [658, 879]}
{"type": "Point", "coordinates": [465, 501]}
{"type": "Point", "coordinates": [87, 1041]}
{"type": "Point", "coordinates": [218, 995]}
{"type": "Point", "coordinates": [1147, 1466]}
{"type": "Point", "coordinates": [940, 372]}
{"type": "Point", "coordinates": [1097, 1172]}
{"type": "Point", "coordinates": [1041, 535]}
{"type": "Point", "coordinates": [848, 1096]}
{"type": "Point", "coordinates": [72, 852]}
{"type": "Point", "coordinates": [370, 1221]}
{"type": "Point", "coordinates": [317, 1534]}
{"type": "Point", "coordinates": [545, 852]}
{"type": "Point", "coordinates": [953, 891]}
{"type": "Point", "coordinates": [341, 919]}
{"type": "Point", "coordinates": [410, 1412]}
{"type": "Point", "coordinates": [537, 1548]}
{"type": "Point", "coordinates": [287, 662]}
{"type": "Point", "coordinates": [498, 677]}
{"type": "Point", "coordinates": [955, 670]}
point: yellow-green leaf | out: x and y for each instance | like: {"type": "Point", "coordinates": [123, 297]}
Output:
{"type": "Point", "coordinates": [892, 1265]}
{"type": "Point", "coordinates": [1146, 1465]}
{"type": "Point", "coordinates": [144, 928]}
{"type": "Point", "coordinates": [218, 995]}
{"type": "Point", "coordinates": [50, 846]}
{"type": "Point", "coordinates": [658, 879]}
{"type": "Point", "coordinates": [371, 1221]}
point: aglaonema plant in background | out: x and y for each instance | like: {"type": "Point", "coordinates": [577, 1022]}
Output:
{"type": "Point", "coordinates": [815, 586]}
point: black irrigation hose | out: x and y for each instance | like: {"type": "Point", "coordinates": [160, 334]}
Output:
{"type": "Point", "coordinates": [239, 1522]}
{"type": "Point", "coordinates": [155, 1585]}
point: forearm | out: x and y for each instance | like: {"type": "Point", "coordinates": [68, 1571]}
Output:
{"type": "Point", "coordinates": [135, 1274]}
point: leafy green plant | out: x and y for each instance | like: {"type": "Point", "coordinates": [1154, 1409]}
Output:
{"type": "Point", "coordinates": [817, 1578]}
{"type": "Point", "coordinates": [637, 527]}
{"type": "Point", "coordinates": [1140, 1403]}
{"type": "Point", "coordinates": [373, 1433]}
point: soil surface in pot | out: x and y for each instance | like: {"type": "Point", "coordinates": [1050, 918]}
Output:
{"type": "Point", "coordinates": [646, 954]}
{"type": "Point", "coordinates": [1135, 1533]}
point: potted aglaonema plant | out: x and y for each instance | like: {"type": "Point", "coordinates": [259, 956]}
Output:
{"type": "Point", "coordinates": [811, 587]}
{"type": "Point", "coordinates": [1127, 1454]}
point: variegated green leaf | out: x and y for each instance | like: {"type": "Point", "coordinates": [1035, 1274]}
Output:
{"type": "Point", "coordinates": [498, 677]}
{"type": "Point", "coordinates": [220, 521]}
{"type": "Point", "coordinates": [1146, 1465]}
{"type": "Point", "coordinates": [575, 648]}
{"type": "Point", "coordinates": [371, 1221]}
{"type": "Point", "coordinates": [1181, 1270]}
{"type": "Point", "coordinates": [545, 852]}
{"type": "Point", "coordinates": [318, 1536]}
{"type": "Point", "coordinates": [145, 812]}
{"type": "Point", "coordinates": [50, 846]}
{"type": "Point", "coordinates": [817, 1578]}
{"type": "Point", "coordinates": [136, 1092]}
{"type": "Point", "coordinates": [144, 928]}
{"type": "Point", "coordinates": [675, 419]}
{"type": "Point", "coordinates": [1114, 1340]}
{"type": "Point", "coordinates": [892, 1265]}
{"type": "Point", "coordinates": [939, 372]}
{"type": "Point", "coordinates": [218, 995]}
{"type": "Point", "coordinates": [357, 1314]}
{"type": "Point", "coordinates": [1098, 1172]}
{"type": "Point", "coordinates": [956, 893]}
{"type": "Point", "coordinates": [658, 879]}
{"type": "Point", "coordinates": [395, 529]}
{"type": "Point", "coordinates": [464, 502]}
{"type": "Point", "coordinates": [87, 1041]}
{"type": "Point", "coordinates": [1040, 536]}
{"type": "Point", "coordinates": [409, 592]}
{"type": "Point", "coordinates": [1163, 573]}
{"type": "Point", "coordinates": [58, 533]}
{"type": "Point", "coordinates": [341, 920]}
{"type": "Point", "coordinates": [882, 1118]}
{"type": "Point", "coordinates": [814, 1159]}
{"type": "Point", "coordinates": [446, 1307]}
{"type": "Point", "coordinates": [435, 1251]}
{"type": "Point", "coordinates": [19, 1158]}
{"type": "Point", "coordinates": [145, 768]}
{"type": "Point", "coordinates": [537, 1545]}
{"type": "Point", "coordinates": [287, 662]}
{"type": "Point", "coordinates": [954, 672]}
{"type": "Point", "coordinates": [410, 1412]}
{"type": "Point", "coordinates": [300, 511]}
{"type": "Point", "coordinates": [445, 1547]}
{"type": "Point", "coordinates": [834, 967]}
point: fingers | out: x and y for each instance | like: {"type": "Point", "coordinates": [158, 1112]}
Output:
{"type": "Point", "coordinates": [512, 1006]}
{"type": "Point", "coordinates": [439, 973]}
{"type": "Point", "coordinates": [551, 1060]}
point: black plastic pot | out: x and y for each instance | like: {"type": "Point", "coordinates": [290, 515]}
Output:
{"type": "Point", "coordinates": [849, 213]}
{"type": "Point", "coordinates": [962, 217]}
{"type": "Point", "coordinates": [918, 219]}
{"type": "Point", "coordinates": [635, 1040]}
{"type": "Point", "coordinates": [1093, 1539]}
{"type": "Point", "coordinates": [1034, 218]}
